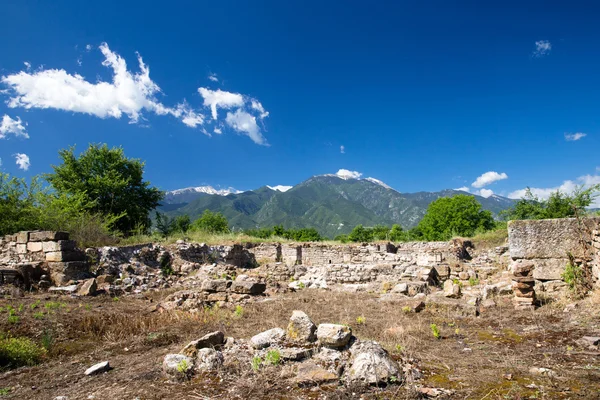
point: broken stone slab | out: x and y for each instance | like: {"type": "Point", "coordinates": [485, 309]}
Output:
{"type": "Point", "coordinates": [451, 289]}
{"type": "Point", "coordinates": [334, 335]}
{"type": "Point", "coordinates": [309, 373]}
{"type": "Point", "coordinates": [401, 288]}
{"type": "Point", "coordinates": [248, 287]}
{"type": "Point", "coordinates": [301, 329]}
{"type": "Point", "coordinates": [208, 359]}
{"type": "Point", "coordinates": [61, 245]}
{"type": "Point", "coordinates": [371, 365]}
{"type": "Point", "coordinates": [64, 289]}
{"type": "Point", "coordinates": [267, 338]}
{"type": "Point", "coordinates": [177, 365]}
{"type": "Point", "coordinates": [98, 368]}
{"type": "Point", "coordinates": [42, 236]}
{"type": "Point", "coordinates": [215, 285]}
{"type": "Point", "coordinates": [88, 288]}
{"type": "Point", "coordinates": [522, 267]}
{"type": "Point", "coordinates": [295, 353]}
{"type": "Point", "coordinates": [210, 340]}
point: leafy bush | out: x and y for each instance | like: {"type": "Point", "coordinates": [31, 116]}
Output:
{"type": "Point", "coordinates": [273, 357]}
{"type": "Point", "coordinates": [211, 222]}
{"type": "Point", "coordinates": [19, 351]}
{"type": "Point", "coordinates": [455, 216]}
{"type": "Point", "coordinates": [298, 235]}
{"type": "Point", "coordinates": [435, 331]}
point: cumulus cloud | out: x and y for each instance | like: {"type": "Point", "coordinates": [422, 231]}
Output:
{"type": "Point", "coordinates": [566, 187]}
{"type": "Point", "coordinates": [542, 48]}
{"type": "Point", "coordinates": [488, 178]}
{"type": "Point", "coordinates": [22, 160]}
{"type": "Point", "coordinates": [571, 137]}
{"type": "Point", "coordinates": [220, 99]}
{"type": "Point", "coordinates": [464, 189]}
{"type": "Point", "coordinates": [342, 149]}
{"type": "Point", "coordinates": [27, 65]}
{"type": "Point", "coordinates": [245, 123]}
{"type": "Point", "coordinates": [346, 174]}
{"type": "Point", "coordinates": [14, 126]}
{"type": "Point", "coordinates": [130, 94]}
{"type": "Point", "coordinates": [485, 193]}
{"type": "Point", "coordinates": [218, 131]}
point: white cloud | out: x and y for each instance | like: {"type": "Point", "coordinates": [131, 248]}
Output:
{"type": "Point", "coordinates": [128, 93]}
{"type": "Point", "coordinates": [255, 104]}
{"type": "Point", "coordinates": [221, 99]}
{"type": "Point", "coordinates": [342, 149]}
{"type": "Point", "coordinates": [566, 187]}
{"type": "Point", "coordinates": [485, 193]}
{"type": "Point", "coordinates": [27, 65]}
{"type": "Point", "coordinates": [213, 77]}
{"type": "Point", "coordinates": [487, 178]}
{"type": "Point", "coordinates": [346, 174]}
{"type": "Point", "coordinates": [542, 48]}
{"type": "Point", "coordinates": [464, 189]}
{"type": "Point", "coordinates": [571, 137]}
{"type": "Point", "coordinates": [22, 160]}
{"type": "Point", "coordinates": [245, 123]}
{"type": "Point", "coordinates": [14, 126]}
{"type": "Point", "coordinates": [280, 188]}
{"type": "Point", "coordinates": [88, 47]}
{"type": "Point", "coordinates": [218, 131]}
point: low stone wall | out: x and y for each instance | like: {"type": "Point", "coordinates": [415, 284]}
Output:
{"type": "Point", "coordinates": [547, 242]}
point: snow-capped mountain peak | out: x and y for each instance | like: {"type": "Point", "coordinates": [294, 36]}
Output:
{"type": "Point", "coordinates": [280, 188]}
{"type": "Point", "coordinates": [205, 189]}
{"type": "Point", "coordinates": [378, 182]}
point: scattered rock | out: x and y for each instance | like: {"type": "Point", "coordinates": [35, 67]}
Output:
{"type": "Point", "coordinates": [215, 285]}
{"type": "Point", "coordinates": [401, 288]}
{"type": "Point", "coordinates": [178, 365]}
{"type": "Point", "coordinates": [591, 342]}
{"type": "Point", "coordinates": [295, 353]}
{"type": "Point", "coordinates": [248, 287]}
{"type": "Point", "coordinates": [88, 288]}
{"type": "Point", "coordinates": [210, 340]}
{"type": "Point", "coordinates": [333, 335]}
{"type": "Point", "coordinates": [371, 365]}
{"type": "Point", "coordinates": [208, 359]}
{"type": "Point", "coordinates": [538, 371]}
{"type": "Point", "coordinates": [267, 338]}
{"type": "Point", "coordinates": [301, 328]}
{"type": "Point", "coordinates": [98, 368]}
{"type": "Point", "coordinates": [452, 289]}
{"type": "Point", "coordinates": [64, 289]}
{"type": "Point", "coordinates": [310, 373]}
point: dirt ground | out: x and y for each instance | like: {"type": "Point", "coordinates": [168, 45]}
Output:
{"type": "Point", "coordinates": [477, 357]}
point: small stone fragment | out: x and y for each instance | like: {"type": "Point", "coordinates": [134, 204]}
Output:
{"type": "Point", "coordinates": [98, 368]}
{"type": "Point", "coordinates": [267, 338]}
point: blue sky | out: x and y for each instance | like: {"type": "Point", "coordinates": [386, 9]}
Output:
{"type": "Point", "coordinates": [421, 95]}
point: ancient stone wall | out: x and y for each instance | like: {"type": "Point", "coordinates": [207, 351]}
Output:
{"type": "Point", "coordinates": [546, 243]}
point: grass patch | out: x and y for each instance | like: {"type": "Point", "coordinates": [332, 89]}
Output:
{"type": "Point", "coordinates": [490, 239]}
{"type": "Point", "coordinates": [19, 351]}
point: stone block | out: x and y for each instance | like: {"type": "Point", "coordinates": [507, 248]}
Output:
{"type": "Point", "coordinates": [21, 248]}
{"type": "Point", "coordinates": [23, 237]}
{"type": "Point", "coordinates": [248, 287]}
{"type": "Point", "coordinates": [549, 269]}
{"type": "Point", "coordinates": [64, 256]}
{"type": "Point", "coordinates": [215, 285]}
{"type": "Point", "coordinates": [548, 238]}
{"type": "Point", "coordinates": [34, 247]}
{"type": "Point", "coordinates": [61, 245]}
{"type": "Point", "coordinates": [42, 236]}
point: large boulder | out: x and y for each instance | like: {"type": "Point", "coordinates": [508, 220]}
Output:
{"type": "Point", "coordinates": [248, 287]}
{"type": "Point", "coordinates": [301, 328]}
{"type": "Point", "coordinates": [371, 365]}
{"type": "Point", "coordinates": [334, 335]}
{"type": "Point", "coordinates": [178, 365]}
{"type": "Point", "coordinates": [208, 359]}
{"type": "Point", "coordinates": [267, 338]}
{"type": "Point", "coordinates": [309, 373]}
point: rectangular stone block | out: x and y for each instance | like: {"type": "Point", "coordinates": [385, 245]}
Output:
{"type": "Point", "coordinates": [42, 236]}
{"type": "Point", "coordinates": [548, 238]}
{"type": "Point", "coordinates": [23, 237]}
{"type": "Point", "coordinates": [34, 247]}
{"type": "Point", "coordinates": [21, 248]}
{"type": "Point", "coordinates": [61, 245]}
{"type": "Point", "coordinates": [58, 256]}
{"type": "Point", "coordinates": [70, 268]}
{"type": "Point", "coordinates": [549, 269]}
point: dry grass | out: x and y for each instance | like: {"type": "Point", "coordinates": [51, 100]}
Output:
{"type": "Point", "coordinates": [470, 358]}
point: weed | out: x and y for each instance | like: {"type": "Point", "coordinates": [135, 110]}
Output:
{"type": "Point", "coordinates": [182, 367]}
{"type": "Point", "coordinates": [21, 306]}
{"type": "Point", "coordinates": [47, 339]}
{"type": "Point", "coordinates": [399, 348]}
{"type": "Point", "coordinates": [116, 299]}
{"type": "Point", "coordinates": [573, 275]}
{"type": "Point", "coordinates": [435, 331]}
{"type": "Point", "coordinates": [301, 285]}
{"type": "Point", "coordinates": [360, 320]}
{"type": "Point", "coordinates": [54, 305]}
{"type": "Point", "coordinates": [35, 305]}
{"type": "Point", "coordinates": [273, 357]}
{"type": "Point", "coordinates": [13, 319]}
{"type": "Point", "coordinates": [38, 315]}
{"type": "Point", "coordinates": [256, 363]}
{"type": "Point", "coordinates": [88, 307]}
{"type": "Point", "coordinates": [18, 351]}
{"type": "Point", "coordinates": [239, 311]}
{"type": "Point", "coordinates": [473, 281]}
{"type": "Point", "coordinates": [4, 391]}
{"type": "Point", "coordinates": [406, 310]}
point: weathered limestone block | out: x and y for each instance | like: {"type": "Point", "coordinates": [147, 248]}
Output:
{"type": "Point", "coordinates": [267, 338]}
{"type": "Point", "coordinates": [334, 335]}
{"type": "Point", "coordinates": [63, 272]}
{"type": "Point", "coordinates": [248, 287]}
{"type": "Point", "coordinates": [34, 247]}
{"type": "Point", "coordinates": [452, 289]}
{"type": "Point", "coordinates": [208, 359]}
{"type": "Point", "coordinates": [61, 245]}
{"type": "Point", "coordinates": [22, 237]}
{"type": "Point", "coordinates": [42, 236]}
{"type": "Point", "coordinates": [548, 238]}
{"type": "Point", "coordinates": [215, 285]}
{"type": "Point", "coordinates": [64, 256]}
{"type": "Point", "coordinates": [549, 269]}
{"type": "Point", "coordinates": [21, 248]}
{"type": "Point", "coordinates": [178, 365]}
{"type": "Point", "coordinates": [371, 365]}
{"type": "Point", "coordinates": [301, 328]}
{"type": "Point", "coordinates": [210, 340]}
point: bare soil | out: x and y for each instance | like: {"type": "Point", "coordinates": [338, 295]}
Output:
{"type": "Point", "coordinates": [477, 357]}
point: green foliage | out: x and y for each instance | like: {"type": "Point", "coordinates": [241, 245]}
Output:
{"type": "Point", "coordinates": [455, 216]}
{"type": "Point", "coordinates": [109, 183]}
{"type": "Point", "coordinates": [38, 315]}
{"type": "Point", "coordinates": [435, 331]}
{"type": "Point", "coordinates": [397, 234]}
{"type": "Point", "coordinates": [182, 367]}
{"type": "Point", "coordinates": [239, 311]}
{"type": "Point", "coordinates": [181, 224]}
{"type": "Point", "coordinates": [163, 224]}
{"type": "Point", "coordinates": [256, 363]}
{"type": "Point", "coordinates": [166, 265]}
{"type": "Point", "coordinates": [47, 339]}
{"type": "Point", "coordinates": [19, 351]}
{"type": "Point", "coordinates": [361, 234]}
{"type": "Point", "coordinates": [341, 238]}
{"type": "Point", "coordinates": [273, 357]}
{"type": "Point", "coordinates": [473, 281]}
{"type": "Point", "coordinates": [298, 235]}
{"type": "Point", "coordinates": [211, 222]}
{"type": "Point", "coordinates": [4, 391]}
{"type": "Point", "coordinates": [573, 276]}
{"type": "Point", "coordinates": [361, 320]}
{"type": "Point", "coordinates": [558, 205]}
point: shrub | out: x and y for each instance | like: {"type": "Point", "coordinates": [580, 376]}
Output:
{"type": "Point", "coordinates": [435, 331]}
{"type": "Point", "coordinates": [19, 351]}
{"type": "Point", "coordinates": [273, 357]}
{"type": "Point", "coordinates": [256, 363]}
{"type": "Point", "coordinates": [211, 222]}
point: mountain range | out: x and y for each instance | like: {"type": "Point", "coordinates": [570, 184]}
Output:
{"type": "Point", "coordinates": [332, 204]}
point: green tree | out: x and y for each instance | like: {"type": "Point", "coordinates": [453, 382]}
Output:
{"type": "Point", "coordinates": [454, 216]}
{"type": "Point", "coordinates": [397, 234]}
{"type": "Point", "coordinates": [361, 234]}
{"type": "Point", "coordinates": [181, 223]}
{"type": "Point", "coordinates": [164, 224]}
{"type": "Point", "coordinates": [211, 222]}
{"type": "Point", "coordinates": [17, 207]}
{"type": "Point", "coordinates": [111, 184]}
{"type": "Point", "coordinates": [381, 232]}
